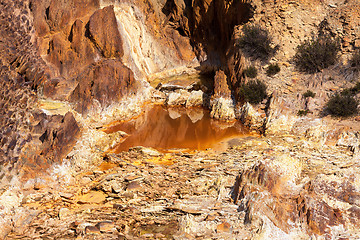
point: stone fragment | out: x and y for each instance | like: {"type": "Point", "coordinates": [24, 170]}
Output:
{"type": "Point", "coordinates": [357, 43]}
{"type": "Point", "coordinates": [39, 185]}
{"type": "Point", "coordinates": [177, 98]}
{"type": "Point", "coordinates": [132, 186]}
{"type": "Point", "coordinates": [116, 187]}
{"type": "Point", "coordinates": [92, 230]}
{"type": "Point", "coordinates": [106, 226]}
{"type": "Point", "coordinates": [250, 117]}
{"type": "Point", "coordinates": [146, 151]}
{"type": "Point", "coordinates": [131, 177]}
{"type": "Point", "coordinates": [223, 227]}
{"type": "Point", "coordinates": [93, 197]}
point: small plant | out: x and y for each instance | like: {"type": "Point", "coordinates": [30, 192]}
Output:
{"type": "Point", "coordinates": [356, 88]}
{"type": "Point", "coordinates": [303, 112]}
{"type": "Point", "coordinates": [314, 55]}
{"type": "Point", "coordinates": [257, 42]}
{"type": "Point", "coordinates": [355, 61]}
{"type": "Point", "coordinates": [253, 91]}
{"type": "Point", "coordinates": [272, 69]}
{"type": "Point", "coordinates": [251, 72]}
{"type": "Point", "coordinates": [351, 91]}
{"type": "Point", "coordinates": [308, 93]}
{"type": "Point", "coordinates": [342, 105]}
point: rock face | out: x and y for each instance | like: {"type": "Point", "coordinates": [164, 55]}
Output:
{"type": "Point", "coordinates": [298, 182]}
{"type": "Point", "coordinates": [209, 24]}
{"type": "Point", "coordinates": [106, 81]}
{"type": "Point", "coordinates": [77, 44]}
{"type": "Point", "coordinates": [103, 30]}
{"type": "Point", "coordinates": [22, 71]}
{"type": "Point", "coordinates": [54, 137]}
{"type": "Point", "coordinates": [151, 43]}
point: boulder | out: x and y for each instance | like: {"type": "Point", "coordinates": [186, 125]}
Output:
{"type": "Point", "coordinates": [251, 118]}
{"type": "Point", "coordinates": [223, 109]}
{"type": "Point", "coordinates": [178, 98]}
{"type": "Point", "coordinates": [195, 99]}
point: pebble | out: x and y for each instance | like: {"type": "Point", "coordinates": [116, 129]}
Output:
{"type": "Point", "coordinates": [92, 230]}
{"type": "Point", "coordinates": [64, 212]}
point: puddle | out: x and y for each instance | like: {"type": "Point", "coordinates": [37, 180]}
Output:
{"type": "Point", "coordinates": [169, 129]}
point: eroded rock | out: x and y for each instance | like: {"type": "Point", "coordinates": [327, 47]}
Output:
{"type": "Point", "coordinates": [103, 30]}
{"type": "Point", "coordinates": [316, 206]}
{"type": "Point", "coordinates": [107, 82]}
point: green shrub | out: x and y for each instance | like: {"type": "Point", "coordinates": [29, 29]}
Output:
{"type": "Point", "coordinates": [253, 92]}
{"type": "Point", "coordinates": [308, 93]}
{"type": "Point", "coordinates": [257, 42]}
{"type": "Point", "coordinates": [351, 91]}
{"type": "Point", "coordinates": [342, 105]}
{"type": "Point", "coordinates": [314, 55]}
{"type": "Point", "coordinates": [251, 72]}
{"type": "Point", "coordinates": [356, 88]}
{"type": "Point", "coordinates": [273, 69]}
{"type": "Point", "coordinates": [303, 112]}
{"type": "Point", "coordinates": [355, 61]}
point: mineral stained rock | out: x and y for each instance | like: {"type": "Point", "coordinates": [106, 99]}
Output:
{"type": "Point", "coordinates": [106, 81]}
{"type": "Point", "coordinates": [103, 30]}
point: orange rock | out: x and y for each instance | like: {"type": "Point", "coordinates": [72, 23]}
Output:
{"type": "Point", "coordinates": [221, 88]}
{"type": "Point", "coordinates": [106, 81]}
{"type": "Point", "coordinates": [92, 197]}
{"type": "Point", "coordinates": [223, 227]}
{"type": "Point", "coordinates": [104, 32]}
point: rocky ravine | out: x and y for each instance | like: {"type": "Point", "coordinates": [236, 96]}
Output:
{"type": "Point", "coordinates": [70, 68]}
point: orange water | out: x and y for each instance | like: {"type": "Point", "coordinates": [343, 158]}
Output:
{"type": "Point", "coordinates": [166, 129]}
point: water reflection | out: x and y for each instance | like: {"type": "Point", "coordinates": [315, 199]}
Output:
{"type": "Point", "coordinates": [166, 129]}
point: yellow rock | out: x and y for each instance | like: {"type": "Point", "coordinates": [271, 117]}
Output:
{"type": "Point", "coordinates": [92, 197]}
